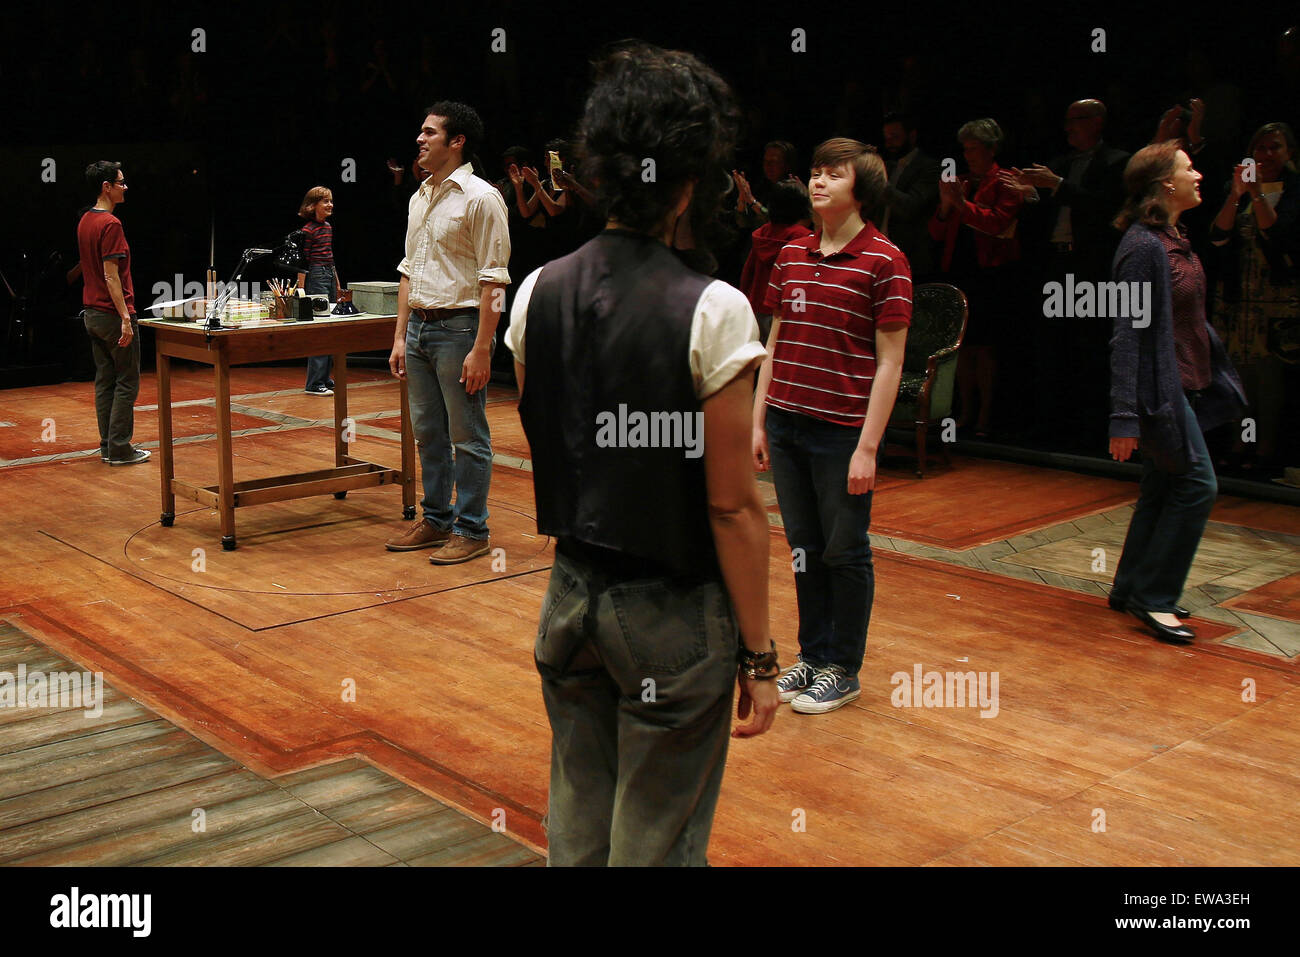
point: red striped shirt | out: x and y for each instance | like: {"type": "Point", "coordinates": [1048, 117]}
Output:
{"type": "Point", "coordinates": [320, 244]}
{"type": "Point", "coordinates": [825, 355]}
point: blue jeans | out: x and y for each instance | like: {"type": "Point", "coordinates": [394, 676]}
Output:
{"type": "Point", "coordinates": [638, 678]}
{"type": "Point", "coordinates": [1166, 528]}
{"type": "Point", "coordinates": [443, 416]}
{"type": "Point", "coordinates": [117, 380]}
{"type": "Point", "coordinates": [320, 282]}
{"type": "Point", "coordinates": [827, 529]}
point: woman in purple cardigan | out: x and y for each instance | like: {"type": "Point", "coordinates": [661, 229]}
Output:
{"type": "Point", "coordinates": [1170, 382]}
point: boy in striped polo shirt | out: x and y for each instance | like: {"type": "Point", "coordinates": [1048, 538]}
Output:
{"type": "Point", "coordinates": [841, 301]}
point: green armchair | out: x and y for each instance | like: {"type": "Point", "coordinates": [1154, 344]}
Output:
{"type": "Point", "coordinates": [925, 393]}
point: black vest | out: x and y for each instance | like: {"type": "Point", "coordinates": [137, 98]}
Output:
{"type": "Point", "coordinates": [609, 404]}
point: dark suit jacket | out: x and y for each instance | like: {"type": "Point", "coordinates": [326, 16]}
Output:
{"type": "Point", "coordinates": [1093, 204]}
{"type": "Point", "coordinates": [911, 202]}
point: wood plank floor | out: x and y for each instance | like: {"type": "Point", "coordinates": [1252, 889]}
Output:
{"type": "Point", "coordinates": [125, 787]}
{"type": "Point", "coordinates": [310, 646]}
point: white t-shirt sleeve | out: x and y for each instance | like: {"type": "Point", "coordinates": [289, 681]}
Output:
{"type": "Point", "coordinates": [519, 316]}
{"type": "Point", "coordinates": [724, 338]}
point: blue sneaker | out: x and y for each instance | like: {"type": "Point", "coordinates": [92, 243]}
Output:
{"type": "Point", "coordinates": [831, 688]}
{"type": "Point", "coordinates": [796, 680]}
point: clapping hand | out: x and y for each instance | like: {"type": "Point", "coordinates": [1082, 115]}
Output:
{"type": "Point", "coordinates": [1171, 124]}
{"type": "Point", "coordinates": [515, 176]}
{"type": "Point", "coordinates": [530, 176]}
{"type": "Point", "coordinates": [1013, 178]}
{"type": "Point", "coordinates": [1239, 185]}
{"type": "Point", "coordinates": [1039, 175]}
{"type": "Point", "coordinates": [744, 195]}
{"type": "Point", "coordinates": [951, 194]}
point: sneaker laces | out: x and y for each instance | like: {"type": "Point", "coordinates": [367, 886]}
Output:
{"type": "Point", "coordinates": [827, 679]}
{"type": "Point", "coordinates": [796, 676]}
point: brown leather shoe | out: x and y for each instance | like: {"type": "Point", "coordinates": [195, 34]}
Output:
{"type": "Point", "coordinates": [420, 535]}
{"type": "Point", "coordinates": [460, 549]}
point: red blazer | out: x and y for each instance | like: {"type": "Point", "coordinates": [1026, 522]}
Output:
{"type": "Point", "coordinates": [992, 211]}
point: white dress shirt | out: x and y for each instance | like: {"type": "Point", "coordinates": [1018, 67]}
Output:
{"type": "Point", "coordinates": [457, 237]}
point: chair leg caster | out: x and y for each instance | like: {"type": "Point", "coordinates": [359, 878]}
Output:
{"type": "Point", "coordinates": [168, 519]}
{"type": "Point", "coordinates": [340, 494]}
{"type": "Point", "coordinates": [408, 512]}
{"type": "Point", "coordinates": [228, 542]}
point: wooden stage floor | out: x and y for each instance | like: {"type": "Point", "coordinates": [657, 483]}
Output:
{"type": "Point", "coordinates": [311, 654]}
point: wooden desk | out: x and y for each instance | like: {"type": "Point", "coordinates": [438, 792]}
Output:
{"type": "Point", "coordinates": [224, 348]}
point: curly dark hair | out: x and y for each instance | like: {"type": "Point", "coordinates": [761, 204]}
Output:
{"type": "Point", "coordinates": [655, 120]}
{"type": "Point", "coordinates": [459, 119]}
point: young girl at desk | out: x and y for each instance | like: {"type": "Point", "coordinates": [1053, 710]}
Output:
{"type": "Point", "coordinates": [321, 278]}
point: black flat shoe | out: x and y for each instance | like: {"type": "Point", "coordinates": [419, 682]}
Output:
{"type": "Point", "coordinates": [1116, 605]}
{"type": "Point", "coordinates": [1181, 635]}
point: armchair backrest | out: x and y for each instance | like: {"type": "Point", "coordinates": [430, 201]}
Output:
{"type": "Point", "coordinates": [938, 322]}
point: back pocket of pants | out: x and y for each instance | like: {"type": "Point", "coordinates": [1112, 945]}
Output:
{"type": "Point", "coordinates": [561, 583]}
{"type": "Point", "coordinates": [663, 624]}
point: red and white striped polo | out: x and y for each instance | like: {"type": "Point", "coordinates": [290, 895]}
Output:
{"type": "Point", "coordinates": [825, 354]}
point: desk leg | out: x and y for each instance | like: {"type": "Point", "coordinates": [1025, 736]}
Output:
{"type": "Point", "coordinates": [408, 455]}
{"type": "Point", "coordinates": [225, 459]}
{"type": "Point", "coordinates": [167, 466]}
{"type": "Point", "coordinates": [341, 449]}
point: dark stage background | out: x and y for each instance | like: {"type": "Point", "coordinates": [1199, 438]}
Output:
{"type": "Point", "coordinates": [285, 93]}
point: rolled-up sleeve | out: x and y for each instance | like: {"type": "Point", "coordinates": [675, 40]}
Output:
{"type": "Point", "coordinates": [491, 230]}
{"type": "Point", "coordinates": [408, 241]}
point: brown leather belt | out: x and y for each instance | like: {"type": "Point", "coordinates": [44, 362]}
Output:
{"type": "Point", "coordinates": [431, 315]}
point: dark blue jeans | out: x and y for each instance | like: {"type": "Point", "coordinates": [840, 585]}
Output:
{"type": "Point", "coordinates": [827, 529]}
{"type": "Point", "coordinates": [1166, 529]}
{"type": "Point", "coordinates": [638, 678]}
{"type": "Point", "coordinates": [320, 282]}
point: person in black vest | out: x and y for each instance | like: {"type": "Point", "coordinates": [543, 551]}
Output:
{"type": "Point", "coordinates": [635, 377]}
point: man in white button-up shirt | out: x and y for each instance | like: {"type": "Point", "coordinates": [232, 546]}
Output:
{"type": "Point", "coordinates": [448, 304]}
